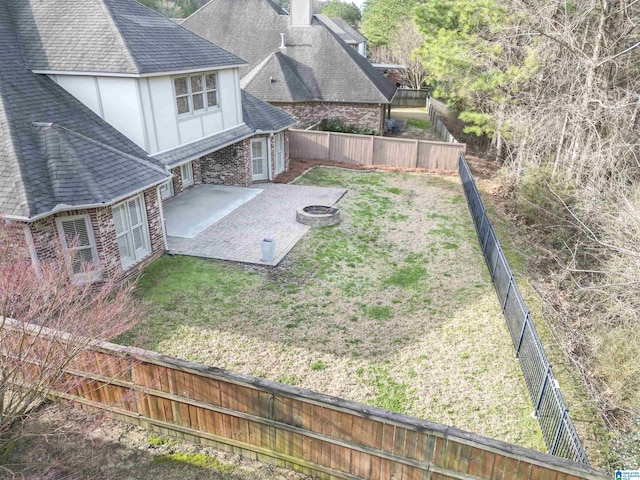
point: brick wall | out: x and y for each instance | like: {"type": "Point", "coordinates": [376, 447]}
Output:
{"type": "Point", "coordinates": [361, 114]}
{"type": "Point", "coordinates": [228, 166]}
{"type": "Point", "coordinates": [47, 242]}
{"type": "Point", "coordinates": [178, 186]}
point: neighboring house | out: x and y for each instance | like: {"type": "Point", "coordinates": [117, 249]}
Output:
{"type": "Point", "coordinates": [106, 108]}
{"type": "Point", "coordinates": [299, 62]}
{"type": "Point", "coordinates": [346, 32]}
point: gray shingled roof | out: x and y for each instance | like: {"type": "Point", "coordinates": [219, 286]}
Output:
{"type": "Point", "coordinates": [109, 36]}
{"type": "Point", "coordinates": [341, 28]}
{"type": "Point", "coordinates": [185, 153]}
{"type": "Point", "coordinates": [262, 117]}
{"type": "Point", "coordinates": [55, 153]}
{"type": "Point", "coordinates": [328, 68]}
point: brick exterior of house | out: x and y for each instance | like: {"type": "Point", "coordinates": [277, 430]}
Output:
{"type": "Point", "coordinates": [228, 166]}
{"type": "Point", "coordinates": [362, 114]}
{"type": "Point", "coordinates": [46, 240]}
{"type": "Point", "coordinates": [232, 165]}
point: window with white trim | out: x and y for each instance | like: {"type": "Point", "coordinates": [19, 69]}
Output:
{"type": "Point", "coordinates": [196, 93]}
{"type": "Point", "coordinates": [132, 231]}
{"type": "Point", "coordinates": [77, 239]}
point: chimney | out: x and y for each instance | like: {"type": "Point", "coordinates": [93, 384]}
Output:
{"type": "Point", "coordinates": [301, 12]}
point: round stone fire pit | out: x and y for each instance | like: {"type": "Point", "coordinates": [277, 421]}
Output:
{"type": "Point", "coordinates": [318, 215]}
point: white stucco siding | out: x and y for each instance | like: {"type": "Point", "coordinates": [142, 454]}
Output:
{"type": "Point", "coordinates": [190, 129]}
{"type": "Point", "coordinates": [212, 123]}
{"type": "Point", "coordinates": [122, 107]}
{"type": "Point", "coordinates": [148, 115]}
{"type": "Point", "coordinates": [144, 109]}
{"type": "Point", "coordinates": [84, 89]}
{"type": "Point", "coordinates": [164, 120]}
{"type": "Point", "coordinates": [229, 97]}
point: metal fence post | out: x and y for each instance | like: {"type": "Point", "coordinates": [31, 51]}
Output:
{"type": "Point", "coordinates": [506, 297]}
{"type": "Point", "coordinates": [524, 327]}
{"type": "Point", "coordinates": [544, 385]}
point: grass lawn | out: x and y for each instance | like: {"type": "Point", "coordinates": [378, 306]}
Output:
{"type": "Point", "coordinates": [393, 307]}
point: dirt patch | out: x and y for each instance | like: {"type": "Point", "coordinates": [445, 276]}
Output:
{"type": "Point", "coordinates": [62, 443]}
{"type": "Point", "coordinates": [299, 167]}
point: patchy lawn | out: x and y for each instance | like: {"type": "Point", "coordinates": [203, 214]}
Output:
{"type": "Point", "coordinates": [393, 307]}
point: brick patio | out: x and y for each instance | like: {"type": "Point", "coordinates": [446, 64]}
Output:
{"type": "Point", "coordinates": [271, 214]}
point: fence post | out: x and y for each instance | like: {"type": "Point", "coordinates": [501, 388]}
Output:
{"type": "Point", "coordinates": [373, 148]}
{"type": "Point", "coordinates": [506, 297]}
{"type": "Point", "coordinates": [416, 156]}
{"type": "Point", "coordinates": [544, 385]}
{"type": "Point", "coordinates": [495, 265]}
{"type": "Point", "coordinates": [524, 327]}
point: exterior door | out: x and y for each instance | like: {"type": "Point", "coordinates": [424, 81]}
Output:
{"type": "Point", "coordinates": [259, 159]}
{"type": "Point", "coordinates": [186, 171]}
{"type": "Point", "coordinates": [166, 190]}
{"type": "Point", "coordinates": [279, 151]}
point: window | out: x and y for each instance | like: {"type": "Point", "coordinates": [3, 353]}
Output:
{"type": "Point", "coordinates": [77, 238]}
{"type": "Point", "coordinates": [186, 171]}
{"type": "Point", "coordinates": [132, 231]}
{"type": "Point", "coordinates": [196, 93]}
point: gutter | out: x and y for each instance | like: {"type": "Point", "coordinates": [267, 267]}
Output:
{"type": "Point", "coordinates": [67, 208]}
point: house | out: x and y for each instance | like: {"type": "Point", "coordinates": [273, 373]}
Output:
{"type": "Point", "coordinates": [299, 62]}
{"type": "Point", "coordinates": [107, 109]}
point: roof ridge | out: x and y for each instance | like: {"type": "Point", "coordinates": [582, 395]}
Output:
{"type": "Point", "coordinates": [353, 55]}
{"type": "Point", "coordinates": [10, 145]}
{"type": "Point", "coordinates": [252, 74]}
{"type": "Point", "coordinates": [114, 25]}
{"type": "Point", "coordinates": [53, 133]}
{"type": "Point", "coordinates": [285, 63]}
{"type": "Point", "coordinates": [102, 145]}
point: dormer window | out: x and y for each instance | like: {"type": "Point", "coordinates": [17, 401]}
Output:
{"type": "Point", "coordinates": [196, 93]}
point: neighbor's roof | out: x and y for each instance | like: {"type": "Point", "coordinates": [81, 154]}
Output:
{"type": "Point", "coordinates": [341, 28]}
{"type": "Point", "coordinates": [55, 153]}
{"type": "Point", "coordinates": [109, 36]}
{"type": "Point", "coordinates": [316, 65]}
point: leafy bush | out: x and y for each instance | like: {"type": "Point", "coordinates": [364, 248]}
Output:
{"type": "Point", "coordinates": [337, 125]}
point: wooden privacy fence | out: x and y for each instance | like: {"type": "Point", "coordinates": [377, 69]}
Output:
{"type": "Point", "coordinates": [372, 150]}
{"type": "Point", "coordinates": [406, 97]}
{"type": "Point", "coordinates": [321, 436]}
{"type": "Point", "coordinates": [438, 125]}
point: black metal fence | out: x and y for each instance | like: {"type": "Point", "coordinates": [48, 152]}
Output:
{"type": "Point", "coordinates": [559, 432]}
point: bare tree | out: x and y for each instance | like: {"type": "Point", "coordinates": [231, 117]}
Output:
{"type": "Point", "coordinates": [46, 322]}
{"type": "Point", "coordinates": [574, 123]}
{"type": "Point", "coordinates": [403, 50]}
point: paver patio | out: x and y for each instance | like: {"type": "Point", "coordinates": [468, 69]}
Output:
{"type": "Point", "coordinates": [270, 214]}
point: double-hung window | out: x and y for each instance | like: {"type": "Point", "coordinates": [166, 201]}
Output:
{"type": "Point", "coordinates": [132, 231]}
{"type": "Point", "coordinates": [196, 93]}
{"type": "Point", "coordinates": [77, 239]}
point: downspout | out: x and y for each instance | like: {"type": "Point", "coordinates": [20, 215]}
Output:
{"type": "Point", "coordinates": [269, 156]}
{"type": "Point", "coordinates": [162, 219]}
